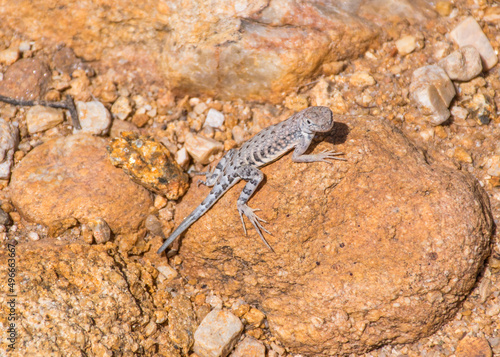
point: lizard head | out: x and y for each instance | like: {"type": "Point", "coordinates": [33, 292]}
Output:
{"type": "Point", "coordinates": [316, 119]}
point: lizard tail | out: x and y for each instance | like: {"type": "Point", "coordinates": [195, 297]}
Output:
{"type": "Point", "coordinates": [186, 223]}
{"type": "Point", "coordinates": [208, 202]}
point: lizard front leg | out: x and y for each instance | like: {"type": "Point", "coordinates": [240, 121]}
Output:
{"type": "Point", "coordinates": [300, 149]}
{"type": "Point", "coordinates": [253, 176]}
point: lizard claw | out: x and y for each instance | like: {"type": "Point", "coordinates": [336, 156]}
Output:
{"type": "Point", "coordinates": [331, 155]}
{"type": "Point", "coordinates": [255, 220]}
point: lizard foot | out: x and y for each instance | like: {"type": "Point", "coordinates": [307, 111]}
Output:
{"type": "Point", "coordinates": [329, 155]}
{"type": "Point", "coordinates": [255, 220]}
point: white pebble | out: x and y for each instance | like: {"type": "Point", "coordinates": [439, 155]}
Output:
{"type": "Point", "coordinates": [214, 119]}
{"type": "Point", "coordinates": [94, 118]}
{"type": "Point", "coordinates": [182, 157]}
{"type": "Point", "coordinates": [217, 334]}
{"type": "Point", "coordinates": [167, 272]}
{"type": "Point", "coordinates": [201, 148]}
{"type": "Point", "coordinates": [33, 236]}
{"type": "Point", "coordinates": [432, 90]}
{"type": "Point", "coordinates": [468, 32]}
{"type": "Point", "coordinates": [200, 108]}
{"type": "Point", "coordinates": [406, 45]}
{"type": "Point", "coordinates": [463, 64]}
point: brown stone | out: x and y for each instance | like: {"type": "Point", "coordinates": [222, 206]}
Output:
{"type": "Point", "coordinates": [71, 179]}
{"type": "Point", "coordinates": [82, 299]}
{"type": "Point", "coordinates": [26, 79]}
{"type": "Point", "coordinates": [473, 347]}
{"type": "Point", "coordinates": [379, 249]}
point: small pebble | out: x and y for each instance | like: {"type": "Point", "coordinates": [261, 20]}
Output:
{"type": "Point", "coordinates": [200, 108]}
{"type": "Point", "coordinates": [432, 90]}
{"type": "Point", "coordinates": [249, 347]}
{"type": "Point", "coordinates": [121, 108]}
{"type": "Point", "coordinates": [406, 45]}
{"type": "Point", "coordinates": [444, 8]}
{"type": "Point", "coordinates": [33, 236]}
{"type": "Point", "coordinates": [39, 118]}
{"type": "Point", "coordinates": [160, 202]}
{"type": "Point", "coordinates": [94, 118]}
{"type": "Point", "coordinates": [214, 301]}
{"type": "Point", "coordinates": [468, 32]}
{"type": "Point", "coordinates": [214, 119]}
{"type": "Point", "coordinates": [463, 64]}
{"type": "Point", "coordinates": [361, 79]}
{"type": "Point", "coordinates": [254, 317]}
{"type": "Point", "coordinates": [100, 230]}
{"type": "Point", "coordinates": [217, 334]}
{"type": "Point", "coordinates": [9, 56]}
{"type": "Point", "coordinates": [4, 218]}
{"type": "Point", "coordinates": [461, 155]}
{"type": "Point", "coordinates": [167, 272]}
{"type": "Point", "coordinates": [153, 225]}
{"type": "Point", "coordinates": [182, 157]}
{"type": "Point", "coordinates": [201, 148]}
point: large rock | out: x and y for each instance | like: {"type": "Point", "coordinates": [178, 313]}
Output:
{"type": "Point", "coordinates": [71, 179]}
{"type": "Point", "coordinates": [76, 299]}
{"type": "Point", "coordinates": [232, 49]}
{"type": "Point", "coordinates": [379, 249]}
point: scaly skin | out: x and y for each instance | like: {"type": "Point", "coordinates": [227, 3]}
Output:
{"type": "Point", "coordinates": [267, 146]}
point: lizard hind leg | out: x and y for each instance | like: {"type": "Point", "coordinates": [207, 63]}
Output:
{"type": "Point", "coordinates": [253, 176]}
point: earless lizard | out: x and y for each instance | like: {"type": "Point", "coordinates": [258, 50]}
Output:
{"type": "Point", "coordinates": [265, 147]}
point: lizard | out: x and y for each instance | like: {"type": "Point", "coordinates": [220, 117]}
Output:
{"type": "Point", "coordinates": [271, 143]}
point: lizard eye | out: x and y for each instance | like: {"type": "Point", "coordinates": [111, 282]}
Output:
{"type": "Point", "coordinates": [308, 122]}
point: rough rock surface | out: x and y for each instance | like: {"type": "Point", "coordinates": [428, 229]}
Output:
{"type": "Point", "coordinates": [379, 249]}
{"type": "Point", "coordinates": [26, 79]}
{"type": "Point", "coordinates": [247, 49]}
{"type": "Point", "coordinates": [9, 138]}
{"type": "Point", "coordinates": [71, 179]}
{"type": "Point", "coordinates": [82, 300]}
{"type": "Point", "coordinates": [149, 164]}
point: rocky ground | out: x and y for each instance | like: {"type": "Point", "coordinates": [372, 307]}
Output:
{"type": "Point", "coordinates": [89, 280]}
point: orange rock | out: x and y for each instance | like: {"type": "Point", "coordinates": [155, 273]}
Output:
{"type": "Point", "coordinates": [26, 79]}
{"type": "Point", "coordinates": [389, 242]}
{"type": "Point", "coordinates": [71, 179]}
{"type": "Point", "coordinates": [473, 347]}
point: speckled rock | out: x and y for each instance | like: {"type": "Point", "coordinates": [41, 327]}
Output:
{"type": "Point", "coordinates": [9, 138]}
{"type": "Point", "coordinates": [379, 249]}
{"type": "Point", "coordinates": [149, 164]}
{"type": "Point", "coordinates": [26, 79]}
{"type": "Point", "coordinates": [71, 179]}
{"type": "Point", "coordinates": [78, 299]}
